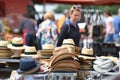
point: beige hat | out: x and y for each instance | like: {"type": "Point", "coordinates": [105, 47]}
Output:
{"type": "Point", "coordinates": [3, 43]}
{"type": "Point", "coordinates": [30, 51]}
{"type": "Point", "coordinates": [61, 57]}
{"type": "Point", "coordinates": [17, 44]}
{"type": "Point", "coordinates": [48, 47]}
{"type": "Point", "coordinates": [68, 42]}
{"type": "Point", "coordinates": [66, 65]}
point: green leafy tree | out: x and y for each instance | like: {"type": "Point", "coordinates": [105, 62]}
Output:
{"type": "Point", "coordinates": [61, 7]}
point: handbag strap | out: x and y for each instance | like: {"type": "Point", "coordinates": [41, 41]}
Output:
{"type": "Point", "coordinates": [68, 28]}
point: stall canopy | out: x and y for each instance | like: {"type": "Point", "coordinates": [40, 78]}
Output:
{"type": "Point", "coordinates": [82, 2]}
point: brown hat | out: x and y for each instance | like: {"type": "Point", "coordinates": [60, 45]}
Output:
{"type": "Point", "coordinates": [62, 56]}
{"type": "Point", "coordinates": [63, 65]}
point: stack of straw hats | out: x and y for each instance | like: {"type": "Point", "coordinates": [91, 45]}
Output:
{"type": "Point", "coordinates": [86, 62]}
{"type": "Point", "coordinates": [64, 62]}
{"type": "Point", "coordinates": [67, 47]}
{"type": "Point", "coordinates": [4, 51]}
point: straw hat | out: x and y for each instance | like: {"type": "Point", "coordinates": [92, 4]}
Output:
{"type": "Point", "coordinates": [3, 43]}
{"type": "Point", "coordinates": [102, 65]}
{"type": "Point", "coordinates": [68, 42]}
{"type": "Point", "coordinates": [17, 44]}
{"type": "Point", "coordinates": [30, 51]}
{"type": "Point", "coordinates": [48, 47]}
{"type": "Point", "coordinates": [63, 65]}
{"type": "Point", "coordinates": [4, 51]}
{"type": "Point", "coordinates": [28, 65]}
{"type": "Point", "coordinates": [62, 56]}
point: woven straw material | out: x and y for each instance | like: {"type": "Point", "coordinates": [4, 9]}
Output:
{"type": "Point", "coordinates": [5, 52]}
{"type": "Point", "coordinates": [66, 64]}
{"type": "Point", "coordinates": [45, 52]}
{"type": "Point", "coordinates": [62, 56]}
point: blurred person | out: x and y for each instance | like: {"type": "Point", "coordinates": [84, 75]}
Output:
{"type": "Point", "coordinates": [109, 29]}
{"type": "Point", "coordinates": [70, 28]}
{"type": "Point", "coordinates": [2, 30]}
{"type": "Point", "coordinates": [116, 24]}
{"type": "Point", "coordinates": [27, 28]}
{"type": "Point", "coordinates": [62, 19]}
{"type": "Point", "coordinates": [38, 38]}
{"type": "Point", "coordinates": [48, 29]}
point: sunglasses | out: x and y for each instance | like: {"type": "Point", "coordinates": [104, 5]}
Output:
{"type": "Point", "coordinates": [76, 7]}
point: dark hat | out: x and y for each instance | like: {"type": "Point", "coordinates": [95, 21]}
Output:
{"type": "Point", "coordinates": [28, 65]}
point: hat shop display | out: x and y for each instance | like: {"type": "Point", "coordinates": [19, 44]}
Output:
{"type": "Point", "coordinates": [28, 65]}
{"type": "Point", "coordinates": [47, 51]}
{"type": "Point", "coordinates": [30, 51]}
{"type": "Point", "coordinates": [4, 51]}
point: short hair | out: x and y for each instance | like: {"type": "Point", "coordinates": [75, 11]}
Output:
{"type": "Point", "coordinates": [49, 15]}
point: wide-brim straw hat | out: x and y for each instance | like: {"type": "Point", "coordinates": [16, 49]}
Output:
{"type": "Point", "coordinates": [17, 44]}
{"type": "Point", "coordinates": [59, 57]}
{"type": "Point", "coordinates": [48, 47]}
{"type": "Point", "coordinates": [68, 43]}
{"type": "Point", "coordinates": [30, 51]}
{"type": "Point", "coordinates": [28, 65]}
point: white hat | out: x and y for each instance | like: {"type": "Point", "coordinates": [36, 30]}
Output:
{"type": "Point", "coordinates": [103, 65]}
{"type": "Point", "coordinates": [17, 44]}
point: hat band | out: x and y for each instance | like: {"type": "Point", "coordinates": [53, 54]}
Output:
{"type": "Point", "coordinates": [29, 53]}
{"type": "Point", "coordinates": [68, 44]}
{"type": "Point", "coordinates": [17, 45]}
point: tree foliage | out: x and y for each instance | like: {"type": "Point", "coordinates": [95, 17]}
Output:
{"type": "Point", "coordinates": [61, 7]}
{"type": "Point", "coordinates": [112, 8]}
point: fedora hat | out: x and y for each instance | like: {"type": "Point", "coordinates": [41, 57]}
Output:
{"type": "Point", "coordinates": [30, 51]}
{"type": "Point", "coordinates": [102, 65]}
{"type": "Point", "coordinates": [3, 43]}
{"type": "Point", "coordinates": [59, 57]}
{"type": "Point", "coordinates": [48, 47]}
{"type": "Point", "coordinates": [68, 42]}
{"type": "Point", "coordinates": [28, 65]}
{"type": "Point", "coordinates": [63, 65]}
{"type": "Point", "coordinates": [17, 44]}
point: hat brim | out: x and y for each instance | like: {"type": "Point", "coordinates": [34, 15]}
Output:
{"type": "Point", "coordinates": [62, 56]}
{"type": "Point", "coordinates": [15, 48]}
{"type": "Point", "coordinates": [101, 70]}
{"type": "Point", "coordinates": [19, 71]}
{"type": "Point", "coordinates": [33, 55]}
